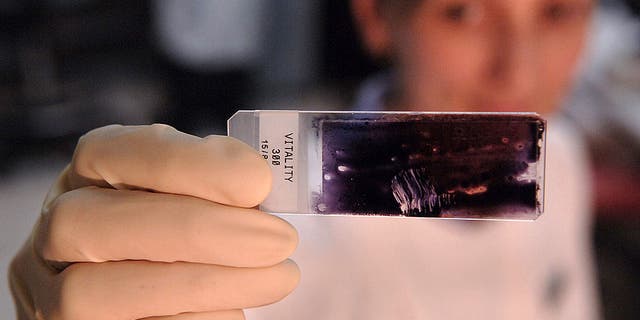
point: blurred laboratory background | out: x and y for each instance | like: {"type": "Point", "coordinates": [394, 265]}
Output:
{"type": "Point", "coordinates": [67, 66]}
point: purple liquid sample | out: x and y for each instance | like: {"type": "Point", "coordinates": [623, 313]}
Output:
{"type": "Point", "coordinates": [435, 165]}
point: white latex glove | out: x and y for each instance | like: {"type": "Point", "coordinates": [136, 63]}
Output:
{"type": "Point", "coordinates": [146, 222]}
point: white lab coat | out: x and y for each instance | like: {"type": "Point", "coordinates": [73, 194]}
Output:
{"type": "Point", "coordinates": [411, 268]}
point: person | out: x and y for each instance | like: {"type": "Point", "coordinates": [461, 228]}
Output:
{"type": "Point", "coordinates": [149, 222]}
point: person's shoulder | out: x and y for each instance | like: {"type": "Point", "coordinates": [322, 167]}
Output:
{"type": "Point", "coordinates": [561, 128]}
{"type": "Point", "coordinates": [567, 169]}
{"type": "Point", "coordinates": [564, 142]}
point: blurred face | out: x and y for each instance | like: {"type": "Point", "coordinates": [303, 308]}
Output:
{"type": "Point", "coordinates": [484, 55]}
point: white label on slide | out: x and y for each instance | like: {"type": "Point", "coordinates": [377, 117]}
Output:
{"type": "Point", "coordinates": [278, 144]}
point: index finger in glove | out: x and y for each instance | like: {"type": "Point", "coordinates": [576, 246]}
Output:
{"type": "Point", "coordinates": [160, 158]}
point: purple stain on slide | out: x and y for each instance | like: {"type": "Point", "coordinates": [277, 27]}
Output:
{"type": "Point", "coordinates": [432, 165]}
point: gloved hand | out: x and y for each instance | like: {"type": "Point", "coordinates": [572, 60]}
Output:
{"type": "Point", "coordinates": [147, 221]}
